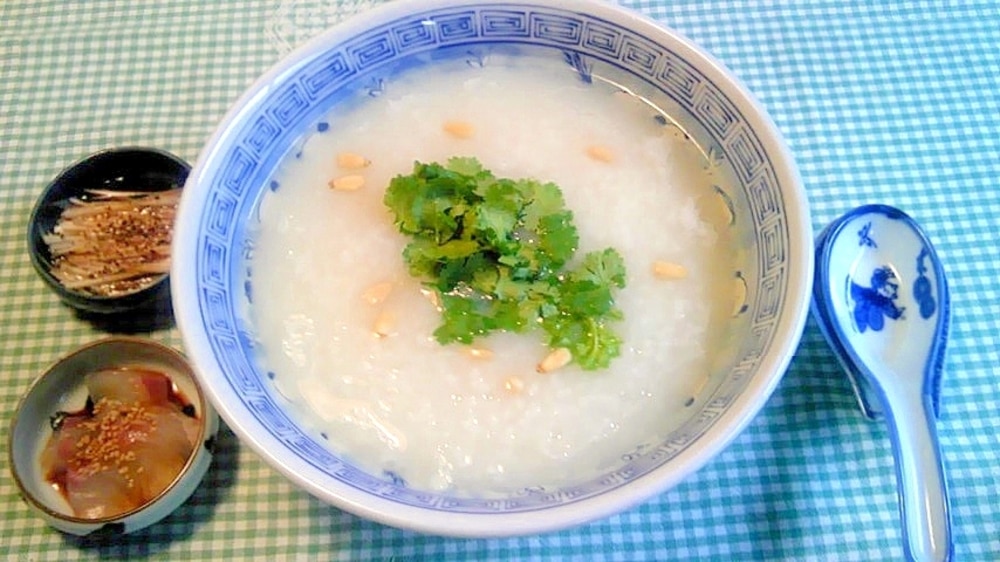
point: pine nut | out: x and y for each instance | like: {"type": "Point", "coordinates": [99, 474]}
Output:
{"type": "Point", "coordinates": [558, 359]}
{"type": "Point", "coordinates": [377, 293]}
{"type": "Point", "coordinates": [514, 385]}
{"type": "Point", "coordinates": [739, 295]}
{"type": "Point", "coordinates": [600, 153]}
{"type": "Point", "coordinates": [432, 296]}
{"type": "Point", "coordinates": [458, 129]}
{"type": "Point", "coordinates": [348, 183]}
{"type": "Point", "coordinates": [669, 270]}
{"type": "Point", "coordinates": [720, 211]}
{"type": "Point", "coordinates": [384, 324]}
{"type": "Point", "coordinates": [696, 391]}
{"type": "Point", "coordinates": [480, 353]}
{"type": "Point", "coordinates": [351, 161]}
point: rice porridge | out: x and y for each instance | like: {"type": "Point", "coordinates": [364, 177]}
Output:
{"type": "Point", "coordinates": [348, 332]}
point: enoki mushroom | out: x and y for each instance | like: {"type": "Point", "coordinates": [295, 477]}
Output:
{"type": "Point", "coordinates": [111, 243]}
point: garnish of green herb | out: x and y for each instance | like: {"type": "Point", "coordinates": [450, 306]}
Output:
{"type": "Point", "coordinates": [498, 253]}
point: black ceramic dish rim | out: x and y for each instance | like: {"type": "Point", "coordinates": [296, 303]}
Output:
{"type": "Point", "coordinates": [38, 252]}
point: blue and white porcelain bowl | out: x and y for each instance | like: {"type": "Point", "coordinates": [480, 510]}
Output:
{"type": "Point", "coordinates": [219, 209]}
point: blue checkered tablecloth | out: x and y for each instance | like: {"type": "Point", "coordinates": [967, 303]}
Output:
{"type": "Point", "coordinates": [880, 101]}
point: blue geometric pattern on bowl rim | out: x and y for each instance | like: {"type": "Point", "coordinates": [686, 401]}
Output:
{"type": "Point", "coordinates": [285, 113]}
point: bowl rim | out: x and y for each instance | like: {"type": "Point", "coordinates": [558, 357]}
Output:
{"type": "Point", "coordinates": [734, 420]}
{"type": "Point", "coordinates": [206, 428]}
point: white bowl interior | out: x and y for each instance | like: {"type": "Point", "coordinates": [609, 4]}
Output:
{"type": "Point", "coordinates": [601, 41]}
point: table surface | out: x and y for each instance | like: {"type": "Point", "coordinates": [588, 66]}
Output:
{"type": "Point", "coordinates": [892, 102]}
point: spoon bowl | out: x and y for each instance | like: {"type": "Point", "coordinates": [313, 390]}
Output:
{"type": "Point", "coordinates": [881, 299]}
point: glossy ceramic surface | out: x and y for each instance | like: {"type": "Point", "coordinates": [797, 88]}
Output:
{"type": "Point", "coordinates": [882, 302]}
{"type": "Point", "coordinates": [600, 41]}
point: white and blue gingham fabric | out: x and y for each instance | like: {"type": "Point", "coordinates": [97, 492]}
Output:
{"type": "Point", "coordinates": [889, 102]}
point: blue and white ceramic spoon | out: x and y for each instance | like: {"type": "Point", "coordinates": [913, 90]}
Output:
{"type": "Point", "coordinates": [881, 300]}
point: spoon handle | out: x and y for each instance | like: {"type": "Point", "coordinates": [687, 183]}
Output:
{"type": "Point", "coordinates": [923, 495]}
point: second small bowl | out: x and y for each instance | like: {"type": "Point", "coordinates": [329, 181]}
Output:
{"type": "Point", "coordinates": [61, 393]}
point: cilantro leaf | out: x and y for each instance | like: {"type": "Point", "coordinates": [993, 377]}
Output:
{"type": "Point", "coordinates": [606, 267]}
{"type": "Point", "coordinates": [496, 251]}
{"type": "Point", "coordinates": [496, 217]}
{"type": "Point", "coordinates": [463, 318]}
{"type": "Point", "coordinates": [557, 238]}
{"type": "Point", "coordinates": [590, 340]}
{"type": "Point", "coordinates": [466, 166]}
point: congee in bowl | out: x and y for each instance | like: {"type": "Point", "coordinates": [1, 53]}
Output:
{"type": "Point", "coordinates": [484, 269]}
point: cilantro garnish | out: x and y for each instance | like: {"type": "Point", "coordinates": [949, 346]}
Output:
{"type": "Point", "coordinates": [498, 252]}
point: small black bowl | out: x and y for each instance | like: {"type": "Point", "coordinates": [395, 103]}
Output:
{"type": "Point", "coordinates": [116, 169]}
